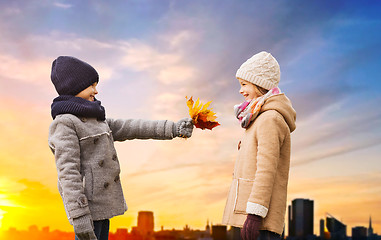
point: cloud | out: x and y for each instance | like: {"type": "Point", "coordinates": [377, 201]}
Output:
{"type": "Point", "coordinates": [31, 71]}
{"type": "Point", "coordinates": [142, 57]}
{"type": "Point", "coordinates": [176, 74]}
{"type": "Point", "coordinates": [344, 127]}
{"type": "Point", "coordinates": [34, 204]}
{"type": "Point", "coordinates": [181, 40]}
{"type": "Point", "coordinates": [62, 5]}
{"type": "Point", "coordinates": [336, 195]}
{"type": "Point", "coordinates": [167, 67]}
{"type": "Point", "coordinates": [12, 11]}
{"type": "Point", "coordinates": [33, 66]}
{"type": "Point", "coordinates": [110, 58]}
{"type": "Point", "coordinates": [35, 161]}
{"type": "Point", "coordinates": [312, 101]}
{"type": "Point", "coordinates": [335, 151]}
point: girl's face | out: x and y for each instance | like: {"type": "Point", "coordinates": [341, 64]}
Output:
{"type": "Point", "coordinates": [248, 90]}
{"type": "Point", "coordinates": [89, 93]}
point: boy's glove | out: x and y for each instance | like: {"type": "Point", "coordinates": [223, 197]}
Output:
{"type": "Point", "coordinates": [250, 229]}
{"type": "Point", "coordinates": [183, 128]}
{"type": "Point", "coordinates": [83, 228]}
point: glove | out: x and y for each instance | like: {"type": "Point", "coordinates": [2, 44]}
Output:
{"type": "Point", "coordinates": [250, 229]}
{"type": "Point", "coordinates": [183, 128]}
{"type": "Point", "coordinates": [83, 228]}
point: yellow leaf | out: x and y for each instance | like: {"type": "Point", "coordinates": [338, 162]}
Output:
{"type": "Point", "coordinates": [202, 117]}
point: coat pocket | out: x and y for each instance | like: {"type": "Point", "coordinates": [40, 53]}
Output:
{"type": "Point", "coordinates": [88, 184]}
{"type": "Point", "coordinates": [243, 191]}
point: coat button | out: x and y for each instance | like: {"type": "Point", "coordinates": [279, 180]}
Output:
{"type": "Point", "coordinates": [114, 157]}
{"type": "Point", "coordinates": [82, 201]}
{"type": "Point", "coordinates": [116, 179]}
{"type": "Point", "coordinates": [100, 163]}
{"type": "Point", "coordinates": [105, 185]}
{"type": "Point", "coordinates": [96, 140]}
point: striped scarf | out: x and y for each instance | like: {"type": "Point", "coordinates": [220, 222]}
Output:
{"type": "Point", "coordinates": [246, 112]}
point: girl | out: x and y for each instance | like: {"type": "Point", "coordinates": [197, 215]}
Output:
{"type": "Point", "coordinates": [257, 197]}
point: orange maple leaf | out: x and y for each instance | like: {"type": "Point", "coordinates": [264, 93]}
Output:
{"type": "Point", "coordinates": [202, 116]}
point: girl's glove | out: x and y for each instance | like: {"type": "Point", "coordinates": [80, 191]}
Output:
{"type": "Point", "coordinates": [183, 128]}
{"type": "Point", "coordinates": [250, 230]}
{"type": "Point", "coordinates": [83, 228]}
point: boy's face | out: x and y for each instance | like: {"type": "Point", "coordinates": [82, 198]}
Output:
{"type": "Point", "coordinates": [248, 90]}
{"type": "Point", "coordinates": [89, 93]}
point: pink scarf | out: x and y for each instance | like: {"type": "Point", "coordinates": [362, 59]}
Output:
{"type": "Point", "coordinates": [246, 112]}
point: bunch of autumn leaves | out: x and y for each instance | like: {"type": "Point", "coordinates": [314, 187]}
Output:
{"type": "Point", "coordinates": [202, 117]}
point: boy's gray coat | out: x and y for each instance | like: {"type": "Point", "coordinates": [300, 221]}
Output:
{"type": "Point", "coordinates": [87, 164]}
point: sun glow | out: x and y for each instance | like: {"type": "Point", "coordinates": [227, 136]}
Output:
{"type": "Point", "coordinates": [5, 199]}
{"type": "Point", "coordinates": [1, 217]}
{"type": "Point", "coordinates": [5, 202]}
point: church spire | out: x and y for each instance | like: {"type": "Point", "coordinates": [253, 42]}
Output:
{"type": "Point", "coordinates": [370, 229]}
{"type": "Point", "coordinates": [207, 228]}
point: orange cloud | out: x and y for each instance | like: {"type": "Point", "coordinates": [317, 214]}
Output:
{"type": "Point", "coordinates": [351, 199]}
{"type": "Point", "coordinates": [35, 204]}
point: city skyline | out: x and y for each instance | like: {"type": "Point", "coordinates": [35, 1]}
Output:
{"type": "Point", "coordinates": [145, 223]}
{"type": "Point", "coordinates": [150, 55]}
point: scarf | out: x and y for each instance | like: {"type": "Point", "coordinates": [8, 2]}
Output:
{"type": "Point", "coordinates": [77, 106]}
{"type": "Point", "coordinates": [246, 112]}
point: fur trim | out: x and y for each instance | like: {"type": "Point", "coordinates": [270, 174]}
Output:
{"type": "Point", "coordinates": [257, 209]}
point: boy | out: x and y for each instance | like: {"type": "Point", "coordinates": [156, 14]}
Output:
{"type": "Point", "coordinates": [81, 138]}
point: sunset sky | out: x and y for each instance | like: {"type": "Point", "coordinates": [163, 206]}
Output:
{"type": "Point", "coordinates": [150, 55]}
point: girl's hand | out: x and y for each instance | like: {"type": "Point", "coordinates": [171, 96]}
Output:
{"type": "Point", "coordinates": [250, 230]}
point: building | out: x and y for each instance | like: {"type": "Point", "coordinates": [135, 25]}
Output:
{"type": "Point", "coordinates": [219, 232]}
{"type": "Point", "coordinates": [323, 234]}
{"type": "Point", "coordinates": [321, 229]}
{"type": "Point", "coordinates": [301, 219]}
{"type": "Point", "coordinates": [145, 224]}
{"type": "Point", "coordinates": [337, 230]}
{"type": "Point", "coordinates": [359, 233]}
{"type": "Point", "coordinates": [370, 229]}
{"type": "Point", "coordinates": [120, 234]}
{"type": "Point", "coordinates": [234, 233]}
{"type": "Point", "coordinates": [371, 234]}
{"type": "Point", "coordinates": [205, 235]}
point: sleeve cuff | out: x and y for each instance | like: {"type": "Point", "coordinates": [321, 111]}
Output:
{"type": "Point", "coordinates": [257, 209]}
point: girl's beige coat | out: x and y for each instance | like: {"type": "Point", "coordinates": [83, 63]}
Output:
{"type": "Point", "coordinates": [261, 170]}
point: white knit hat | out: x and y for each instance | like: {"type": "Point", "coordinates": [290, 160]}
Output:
{"type": "Point", "coordinates": [262, 69]}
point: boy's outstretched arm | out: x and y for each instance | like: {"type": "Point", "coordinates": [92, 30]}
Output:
{"type": "Point", "coordinates": [127, 129]}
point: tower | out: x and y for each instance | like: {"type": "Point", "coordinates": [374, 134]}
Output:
{"type": "Point", "coordinates": [370, 229]}
{"type": "Point", "coordinates": [207, 228]}
{"type": "Point", "coordinates": [322, 228]}
{"type": "Point", "coordinates": [145, 223]}
{"type": "Point", "coordinates": [301, 218]}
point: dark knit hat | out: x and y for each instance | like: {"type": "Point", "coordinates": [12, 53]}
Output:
{"type": "Point", "coordinates": [70, 75]}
